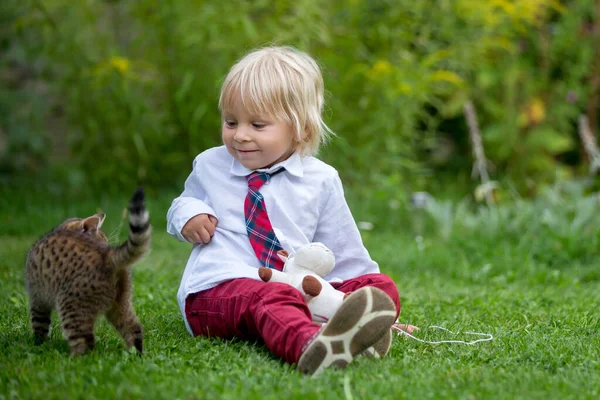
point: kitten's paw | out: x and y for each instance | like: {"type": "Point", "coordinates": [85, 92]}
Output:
{"type": "Point", "coordinates": [38, 339]}
{"type": "Point", "coordinates": [81, 344]}
{"type": "Point", "coordinates": [138, 343]}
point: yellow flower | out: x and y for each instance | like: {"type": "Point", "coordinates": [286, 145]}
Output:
{"type": "Point", "coordinates": [120, 64]}
{"type": "Point", "coordinates": [381, 68]}
{"type": "Point", "coordinates": [404, 88]}
{"type": "Point", "coordinates": [446, 76]}
{"type": "Point", "coordinates": [533, 113]}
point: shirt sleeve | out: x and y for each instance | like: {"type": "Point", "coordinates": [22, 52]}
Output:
{"type": "Point", "coordinates": [337, 230]}
{"type": "Point", "coordinates": [189, 204]}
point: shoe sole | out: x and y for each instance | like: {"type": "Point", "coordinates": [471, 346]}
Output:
{"type": "Point", "coordinates": [381, 348]}
{"type": "Point", "coordinates": [361, 321]}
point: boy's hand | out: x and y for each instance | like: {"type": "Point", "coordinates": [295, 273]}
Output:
{"type": "Point", "coordinates": [406, 328]}
{"type": "Point", "coordinates": [200, 228]}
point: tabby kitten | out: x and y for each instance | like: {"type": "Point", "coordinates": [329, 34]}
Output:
{"type": "Point", "coordinates": [74, 270]}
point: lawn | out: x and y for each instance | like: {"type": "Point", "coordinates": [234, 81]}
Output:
{"type": "Point", "coordinates": [527, 272]}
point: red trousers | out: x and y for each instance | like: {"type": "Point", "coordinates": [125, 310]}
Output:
{"type": "Point", "coordinates": [275, 313]}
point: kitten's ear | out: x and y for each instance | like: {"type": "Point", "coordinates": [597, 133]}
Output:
{"type": "Point", "coordinates": [93, 223]}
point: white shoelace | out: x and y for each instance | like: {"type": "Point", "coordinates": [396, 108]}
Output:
{"type": "Point", "coordinates": [486, 339]}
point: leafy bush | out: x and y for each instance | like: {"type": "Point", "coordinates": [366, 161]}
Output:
{"type": "Point", "coordinates": [134, 84]}
{"type": "Point", "coordinates": [563, 218]}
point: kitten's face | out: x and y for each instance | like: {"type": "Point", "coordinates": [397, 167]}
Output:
{"type": "Point", "coordinates": [90, 226]}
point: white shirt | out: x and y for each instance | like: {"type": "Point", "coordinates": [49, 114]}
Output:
{"type": "Point", "coordinates": [305, 203]}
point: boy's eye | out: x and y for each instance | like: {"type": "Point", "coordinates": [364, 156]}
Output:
{"type": "Point", "coordinates": [258, 125]}
{"type": "Point", "coordinates": [230, 124]}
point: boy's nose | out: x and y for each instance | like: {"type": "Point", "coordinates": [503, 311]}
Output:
{"type": "Point", "coordinates": [241, 135]}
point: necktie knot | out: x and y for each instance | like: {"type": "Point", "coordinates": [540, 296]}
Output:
{"type": "Point", "coordinates": [257, 179]}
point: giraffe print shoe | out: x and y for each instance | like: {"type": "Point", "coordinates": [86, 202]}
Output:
{"type": "Point", "coordinates": [363, 320]}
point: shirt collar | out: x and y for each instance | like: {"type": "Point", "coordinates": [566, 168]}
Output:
{"type": "Point", "coordinates": [293, 165]}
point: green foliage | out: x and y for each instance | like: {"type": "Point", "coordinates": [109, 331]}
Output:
{"type": "Point", "coordinates": [562, 218]}
{"type": "Point", "coordinates": [532, 85]}
{"type": "Point", "coordinates": [24, 143]}
{"type": "Point", "coordinates": [130, 87]}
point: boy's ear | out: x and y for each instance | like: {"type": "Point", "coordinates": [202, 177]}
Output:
{"type": "Point", "coordinates": [283, 255]}
{"type": "Point", "coordinates": [93, 223]}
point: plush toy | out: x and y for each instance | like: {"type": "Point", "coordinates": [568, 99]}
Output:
{"type": "Point", "coordinates": [305, 271]}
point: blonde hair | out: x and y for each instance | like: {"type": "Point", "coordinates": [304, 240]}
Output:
{"type": "Point", "coordinates": [284, 83]}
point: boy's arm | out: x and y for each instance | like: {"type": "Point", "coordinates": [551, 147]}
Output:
{"type": "Point", "coordinates": [188, 204]}
{"type": "Point", "coordinates": [337, 230]}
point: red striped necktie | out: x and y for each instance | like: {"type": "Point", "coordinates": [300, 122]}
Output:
{"type": "Point", "coordinates": [259, 228]}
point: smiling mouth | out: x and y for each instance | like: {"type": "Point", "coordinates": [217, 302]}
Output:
{"type": "Point", "coordinates": [247, 151]}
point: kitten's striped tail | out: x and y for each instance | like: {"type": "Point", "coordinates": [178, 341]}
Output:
{"type": "Point", "coordinates": [138, 242]}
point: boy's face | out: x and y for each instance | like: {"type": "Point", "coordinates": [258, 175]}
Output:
{"type": "Point", "coordinates": [256, 141]}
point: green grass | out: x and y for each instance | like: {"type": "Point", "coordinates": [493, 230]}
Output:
{"type": "Point", "coordinates": [528, 273]}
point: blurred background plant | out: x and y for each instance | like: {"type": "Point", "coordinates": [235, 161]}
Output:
{"type": "Point", "coordinates": [108, 94]}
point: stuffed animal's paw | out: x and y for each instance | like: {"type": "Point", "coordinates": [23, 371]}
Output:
{"type": "Point", "coordinates": [265, 274]}
{"type": "Point", "coordinates": [311, 286]}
